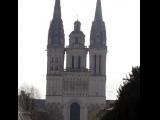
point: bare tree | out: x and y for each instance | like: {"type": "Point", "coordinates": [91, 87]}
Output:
{"type": "Point", "coordinates": [26, 96]}
{"type": "Point", "coordinates": [31, 90]}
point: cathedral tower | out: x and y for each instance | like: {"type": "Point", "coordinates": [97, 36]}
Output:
{"type": "Point", "coordinates": [98, 46]}
{"type": "Point", "coordinates": [55, 52]}
{"type": "Point", "coordinates": [56, 43]}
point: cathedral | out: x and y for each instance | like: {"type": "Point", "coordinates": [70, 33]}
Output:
{"type": "Point", "coordinates": [77, 91]}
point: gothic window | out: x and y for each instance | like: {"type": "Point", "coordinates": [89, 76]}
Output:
{"type": "Point", "coordinates": [55, 33]}
{"type": "Point", "coordinates": [100, 64]}
{"type": "Point", "coordinates": [79, 62]}
{"type": "Point", "coordinates": [94, 41]}
{"type": "Point", "coordinates": [94, 63]}
{"type": "Point", "coordinates": [56, 40]}
{"type": "Point", "coordinates": [72, 61]}
{"type": "Point", "coordinates": [56, 59]}
{"type": "Point", "coordinates": [52, 60]}
{"type": "Point", "coordinates": [98, 38]}
{"type": "Point", "coordinates": [56, 68]}
{"type": "Point", "coordinates": [75, 111]}
{"type": "Point", "coordinates": [51, 68]}
{"type": "Point", "coordinates": [76, 40]}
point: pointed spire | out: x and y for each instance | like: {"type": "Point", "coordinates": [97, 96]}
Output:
{"type": "Point", "coordinates": [98, 30]}
{"type": "Point", "coordinates": [98, 13]}
{"type": "Point", "coordinates": [57, 10]}
{"type": "Point", "coordinates": [56, 32]}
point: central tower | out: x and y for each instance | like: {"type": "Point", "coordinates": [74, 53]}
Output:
{"type": "Point", "coordinates": [77, 92]}
{"type": "Point", "coordinates": [76, 51]}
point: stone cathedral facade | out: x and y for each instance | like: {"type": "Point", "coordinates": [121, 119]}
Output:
{"type": "Point", "coordinates": [78, 92]}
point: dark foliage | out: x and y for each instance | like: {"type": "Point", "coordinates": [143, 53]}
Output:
{"type": "Point", "coordinates": [39, 115]}
{"type": "Point", "coordinates": [127, 107]}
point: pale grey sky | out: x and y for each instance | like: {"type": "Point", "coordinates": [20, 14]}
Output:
{"type": "Point", "coordinates": [122, 19]}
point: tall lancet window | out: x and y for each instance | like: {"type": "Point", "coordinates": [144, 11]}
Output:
{"type": "Point", "coordinates": [79, 62]}
{"type": "Point", "coordinates": [100, 64]}
{"type": "Point", "coordinates": [56, 60]}
{"type": "Point", "coordinates": [51, 68]}
{"type": "Point", "coordinates": [72, 62]}
{"type": "Point", "coordinates": [94, 63]}
{"type": "Point", "coordinates": [56, 68]}
{"type": "Point", "coordinates": [55, 40]}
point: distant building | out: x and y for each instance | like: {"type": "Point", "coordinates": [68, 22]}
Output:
{"type": "Point", "coordinates": [39, 105]}
{"type": "Point", "coordinates": [78, 92]}
{"type": "Point", "coordinates": [39, 110]}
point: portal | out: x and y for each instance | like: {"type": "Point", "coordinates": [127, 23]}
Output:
{"type": "Point", "coordinates": [75, 111]}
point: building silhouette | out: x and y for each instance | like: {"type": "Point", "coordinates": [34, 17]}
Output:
{"type": "Point", "coordinates": [78, 92]}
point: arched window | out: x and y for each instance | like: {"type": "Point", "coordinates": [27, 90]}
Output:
{"type": "Point", "coordinates": [55, 40]}
{"type": "Point", "coordinates": [51, 68]}
{"type": "Point", "coordinates": [72, 62]}
{"type": "Point", "coordinates": [75, 111]}
{"type": "Point", "coordinates": [56, 68]}
{"type": "Point", "coordinates": [56, 59]}
{"type": "Point", "coordinates": [100, 64]}
{"type": "Point", "coordinates": [79, 62]}
{"type": "Point", "coordinates": [76, 40]}
{"type": "Point", "coordinates": [52, 60]}
{"type": "Point", "coordinates": [94, 63]}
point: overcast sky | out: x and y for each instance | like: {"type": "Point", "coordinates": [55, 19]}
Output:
{"type": "Point", "coordinates": [122, 19]}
